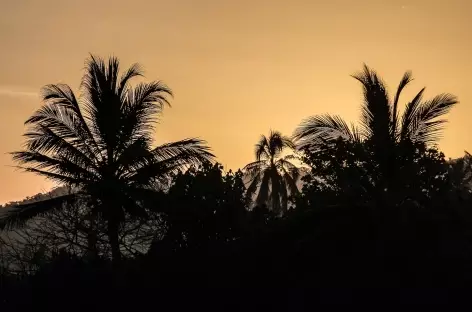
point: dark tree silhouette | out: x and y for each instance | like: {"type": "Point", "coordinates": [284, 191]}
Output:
{"type": "Point", "coordinates": [272, 176]}
{"type": "Point", "coordinates": [380, 120]}
{"type": "Point", "coordinates": [101, 145]}
{"type": "Point", "coordinates": [381, 207]}
{"type": "Point", "coordinates": [460, 173]}
{"type": "Point", "coordinates": [346, 174]}
{"type": "Point", "coordinates": [203, 206]}
{"type": "Point", "coordinates": [390, 142]}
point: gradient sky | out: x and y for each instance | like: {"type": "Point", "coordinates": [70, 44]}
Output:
{"type": "Point", "coordinates": [237, 67]}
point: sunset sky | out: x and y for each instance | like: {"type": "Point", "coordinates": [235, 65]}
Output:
{"type": "Point", "coordinates": [237, 67]}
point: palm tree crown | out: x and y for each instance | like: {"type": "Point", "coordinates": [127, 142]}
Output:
{"type": "Point", "coordinates": [273, 175]}
{"type": "Point", "coordinates": [101, 142]}
{"type": "Point", "coordinates": [380, 121]}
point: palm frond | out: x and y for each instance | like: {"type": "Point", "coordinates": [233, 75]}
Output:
{"type": "Point", "coordinates": [356, 134]}
{"type": "Point", "coordinates": [290, 174]}
{"type": "Point", "coordinates": [292, 157]}
{"type": "Point", "coordinates": [262, 151]}
{"type": "Point", "coordinates": [59, 165]}
{"type": "Point", "coordinates": [408, 118]}
{"type": "Point", "coordinates": [61, 95]}
{"type": "Point", "coordinates": [277, 142]}
{"type": "Point", "coordinates": [427, 126]}
{"type": "Point", "coordinates": [287, 142]}
{"type": "Point", "coordinates": [407, 78]}
{"type": "Point", "coordinates": [142, 109]}
{"type": "Point", "coordinates": [45, 141]}
{"type": "Point", "coordinates": [376, 115]}
{"type": "Point", "coordinates": [112, 72]}
{"type": "Point", "coordinates": [290, 179]}
{"type": "Point", "coordinates": [17, 216]}
{"type": "Point", "coordinates": [283, 196]}
{"type": "Point", "coordinates": [169, 158]}
{"type": "Point", "coordinates": [62, 122]}
{"type": "Point", "coordinates": [253, 185]}
{"type": "Point", "coordinates": [135, 155]}
{"type": "Point", "coordinates": [134, 70]}
{"type": "Point", "coordinates": [147, 175]}
{"type": "Point", "coordinates": [317, 131]}
{"type": "Point", "coordinates": [192, 151]}
{"type": "Point", "coordinates": [101, 101]}
{"type": "Point", "coordinates": [283, 164]}
{"type": "Point", "coordinates": [264, 188]}
{"type": "Point", "coordinates": [252, 169]}
{"type": "Point", "coordinates": [62, 179]}
{"type": "Point", "coordinates": [153, 93]}
{"type": "Point", "coordinates": [155, 173]}
{"type": "Point", "coordinates": [275, 192]}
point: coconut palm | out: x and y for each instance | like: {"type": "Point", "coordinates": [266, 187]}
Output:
{"type": "Point", "coordinates": [380, 122]}
{"type": "Point", "coordinates": [273, 176]}
{"type": "Point", "coordinates": [100, 144]}
{"type": "Point", "coordinates": [389, 138]}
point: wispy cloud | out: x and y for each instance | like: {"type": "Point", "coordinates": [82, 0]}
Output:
{"type": "Point", "coordinates": [17, 92]}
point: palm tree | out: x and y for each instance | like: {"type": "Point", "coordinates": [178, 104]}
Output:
{"type": "Point", "coordinates": [274, 176]}
{"type": "Point", "coordinates": [100, 144]}
{"type": "Point", "coordinates": [380, 124]}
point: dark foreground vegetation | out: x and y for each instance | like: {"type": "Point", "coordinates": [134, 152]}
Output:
{"type": "Point", "coordinates": [333, 214]}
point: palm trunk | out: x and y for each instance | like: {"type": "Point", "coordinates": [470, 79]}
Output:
{"type": "Point", "coordinates": [92, 251]}
{"type": "Point", "coordinates": [114, 243]}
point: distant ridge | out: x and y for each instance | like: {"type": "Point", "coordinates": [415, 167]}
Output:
{"type": "Point", "coordinates": [55, 192]}
{"type": "Point", "coordinates": [63, 190]}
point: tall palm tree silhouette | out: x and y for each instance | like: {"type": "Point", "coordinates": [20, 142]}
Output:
{"type": "Point", "coordinates": [380, 121]}
{"type": "Point", "coordinates": [101, 145]}
{"type": "Point", "coordinates": [381, 126]}
{"type": "Point", "coordinates": [273, 176]}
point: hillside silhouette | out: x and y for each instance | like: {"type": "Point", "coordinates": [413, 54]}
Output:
{"type": "Point", "coordinates": [334, 213]}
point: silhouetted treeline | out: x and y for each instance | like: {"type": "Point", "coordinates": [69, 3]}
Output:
{"type": "Point", "coordinates": [213, 242]}
{"type": "Point", "coordinates": [381, 216]}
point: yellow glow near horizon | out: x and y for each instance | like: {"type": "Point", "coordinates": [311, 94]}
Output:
{"type": "Point", "coordinates": [237, 67]}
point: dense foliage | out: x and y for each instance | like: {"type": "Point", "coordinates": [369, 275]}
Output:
{"type": "Point", "coordinates": [378, 207]}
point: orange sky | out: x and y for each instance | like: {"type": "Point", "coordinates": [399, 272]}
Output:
{"type": "Point", "coordinates": [237, 67]}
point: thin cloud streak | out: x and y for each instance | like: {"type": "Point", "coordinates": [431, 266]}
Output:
{"type": "Point", "coordinates": [17, 92]}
